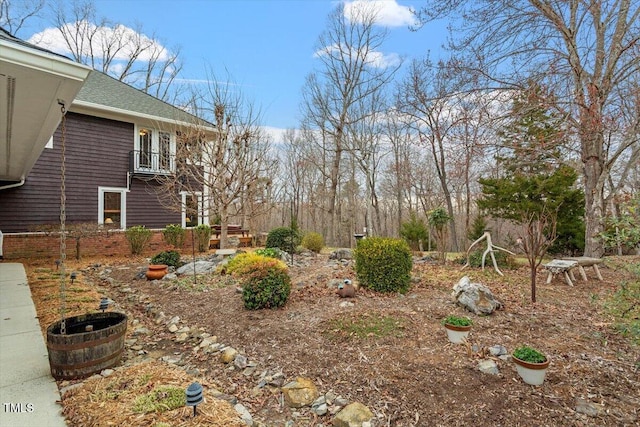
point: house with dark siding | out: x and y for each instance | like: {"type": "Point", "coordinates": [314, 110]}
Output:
{"type": "Point", "coordinates": [118, 142]}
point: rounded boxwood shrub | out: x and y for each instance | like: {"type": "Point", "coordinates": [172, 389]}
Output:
{"type": "Point", "coordinates": [384, 264]}
{"type": "Point", "coordinates": [270, 290]}
{"type": "Point", "coordinates": [313, 241]}
{"type": "Point", "coordinates": [170, 258]}
{"type": "Point", "coordinates": [283, 238]}
{"type": "Point", "coordinates": [265, 282]}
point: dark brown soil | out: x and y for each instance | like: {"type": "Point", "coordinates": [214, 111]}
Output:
{"type": "Point", "coordinates": [412, 376]}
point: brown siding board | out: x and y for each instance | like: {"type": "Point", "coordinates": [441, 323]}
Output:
{"type": "Point", "coordinates": [97, 154]}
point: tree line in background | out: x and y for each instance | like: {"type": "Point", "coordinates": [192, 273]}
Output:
{"type": "Point", "coordinates": [529, 127]}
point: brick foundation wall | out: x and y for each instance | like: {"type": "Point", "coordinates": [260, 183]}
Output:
{"type": "Point", "coordinates": [114, 243]}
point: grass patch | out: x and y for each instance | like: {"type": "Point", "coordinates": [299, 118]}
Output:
{"type": "Point", "coordinates": [203, 282]}
{"type": "Point", "coordinates": [366, 326]}
{"type": "Point", "coordinates": [160, 400]}
{"type": "Point", "coordinates": [624, 305]}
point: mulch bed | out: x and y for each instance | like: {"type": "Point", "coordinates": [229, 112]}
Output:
{"type": "Point", "coordinates": [412, 377]}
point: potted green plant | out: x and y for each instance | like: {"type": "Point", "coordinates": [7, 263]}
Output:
{"type": "Point", "coordinates": [531, 364]}
{"type": "Point", "coordinates": [457, 328]}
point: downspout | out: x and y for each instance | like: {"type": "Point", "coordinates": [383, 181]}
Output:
{"type": "Point", "coordinates": [17, 184]}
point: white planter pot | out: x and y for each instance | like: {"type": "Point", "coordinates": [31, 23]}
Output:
{"type": "Point", "coordinates": [531, 373]}
{"type": "Point", "coordinates": [457, 334]}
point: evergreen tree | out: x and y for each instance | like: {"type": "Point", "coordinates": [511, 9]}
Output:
{"type": "Point", "coordinates": [536, 190]}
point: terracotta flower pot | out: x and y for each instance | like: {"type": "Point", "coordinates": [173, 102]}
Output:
{"type": "Point", "coordinates": [156, 271]}
{"type": "Point", "coordinates": [531, 373]}
{"type": "Point", "coordinates": [457, 334]}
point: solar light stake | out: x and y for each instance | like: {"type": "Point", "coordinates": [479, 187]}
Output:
{"type": "Point", "coordinates": [194, 396]}
{"type": "Point", "coordinates": [104, 303]}
{"type": "Point", "coordinates": [73, 276]}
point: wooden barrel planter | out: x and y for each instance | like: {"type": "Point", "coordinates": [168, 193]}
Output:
{"type": "Point", "coordinates": [92, 342]}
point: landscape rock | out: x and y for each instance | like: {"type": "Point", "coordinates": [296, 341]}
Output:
{"type": "Point", "coordinates": [244, 414]}
{"type": "Point", "coordinates": [299, 393]}
{"type": "Point", "coordinates": [201, 267]}
{"type": "Point", "coordinates": [240, 361]}
{"type": "Point", "coordinates": [341, 254]}
{"type": "Point", "coordinates": [319, 406]}
{"type": "Point", "coordinates": [206, 342]}
{"type": "Point", "coordinates": [488, 366]}
{"type": "Point", "coordinates": [497, 350]}
{"type": "Point", "coordinates": [182, 336]}
{"type": "Point", "coordinates": [353, 415]}
{"type": "Point", "coordinates": [228, 355]}
{"type": "Point", "coordinates": [588, 408]}
{"type": "Point", "coordinates": [475, 297]}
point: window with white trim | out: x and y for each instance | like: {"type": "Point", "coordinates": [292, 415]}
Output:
{"type": "Point", "coordinates": [154, 151]}
{"type": "Point", "coordinates": [112, 202]}
{"type": "Point", "coordinates": [192, 209]}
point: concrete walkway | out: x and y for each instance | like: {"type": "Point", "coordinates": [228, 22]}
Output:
{"type": "Point", "coordinates": [28, 392]}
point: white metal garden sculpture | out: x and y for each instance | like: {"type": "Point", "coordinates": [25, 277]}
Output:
{"type": "Point", "coordinates": [489, 250]}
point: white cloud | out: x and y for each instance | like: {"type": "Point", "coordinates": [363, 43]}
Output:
{"type": "Point", "coordinates": [389, 12]}
{"type": "Point", "coordinates": [374, 58]}
{"type": "Point", "coordinates": [122, 40]}
{"type": "Point", "coordinates": [276, 134]}
{"type": "Point", "coordinates": [380, 60]}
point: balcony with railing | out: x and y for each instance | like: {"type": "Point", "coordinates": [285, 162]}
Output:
{"type": "Point", "coordinates": [151, 163]}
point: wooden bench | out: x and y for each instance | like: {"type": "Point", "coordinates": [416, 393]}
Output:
{"type": "Point", "coordinates": [243, 235]}
{"type": "Point", "coordinates": [232, 230]}
{"type": "Point", "coordinates": [585, 261]}
{"type": "Point", "coordinates": [563, 267]}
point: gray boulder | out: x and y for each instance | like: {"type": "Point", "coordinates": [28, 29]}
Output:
{"type": "Point", "coordinates": [342, 253]}
{"type": "Point", "coordinates": [475, 297]}
{"type": "Point", "coordinates": [202, 267]}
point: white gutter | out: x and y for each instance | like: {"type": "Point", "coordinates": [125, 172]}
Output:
{"type": "Point", "coordinates": [17, 184]}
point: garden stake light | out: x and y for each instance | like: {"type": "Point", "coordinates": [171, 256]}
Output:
{"type": "Point", "coordinates": [104, 304]}
{"type": "Point", "coordinates": [73, 277]}
{"type": "Point", "coordinates": [194, 396]}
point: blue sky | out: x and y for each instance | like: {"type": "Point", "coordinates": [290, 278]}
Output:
{"type": "Point", "coordinates": [266, 45]}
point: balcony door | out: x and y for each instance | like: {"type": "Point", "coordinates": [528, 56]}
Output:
{"type": "Point", "coordinates": [154, 151]}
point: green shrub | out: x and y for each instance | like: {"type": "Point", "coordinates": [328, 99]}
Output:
{"type": "Point", "coordinates": [174, 235]}
{"type": "Point", "coordinates": [414, 231]}
{"type": "Point", "coordinates": [265, 282]}
{"type": "Point", "coordinates": [170, 258]}
{"type": "Point", "coordinates": [478, 226]}
{"type": "Point", "coordinates": [283, 238]}
{"type": "Point", "coordinates": [202, 234]}
{"type": "Point", "coordinates": [529, 354]}
{"type": "Point", "coordinates": [246, 263]}
{"type": "Point", "coordinates": [269, 291]}
{"type": "Point", "coordinates": [457, 321]}
{"type": "Point", "coordinates": [138, 237]}
{"type": "Point", "coordinates": [313, 241]}
{"type": "Point", "coordinates": [269, 252]}
{"type": "Point", "coordinates": [384, 264]}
